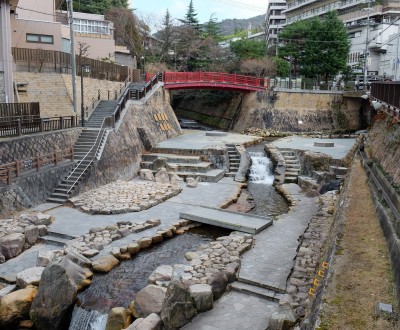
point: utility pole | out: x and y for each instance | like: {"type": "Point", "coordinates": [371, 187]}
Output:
{"type": "Point", "coordinates": [73, 61]}
{"type": "Point", "coordinates": [397, 53]}
{"type": "Point", "coordinates": [366, 49]}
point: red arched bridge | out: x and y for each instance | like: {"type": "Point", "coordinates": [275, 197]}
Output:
{"type": "Point", "coordinates": [212, 80]}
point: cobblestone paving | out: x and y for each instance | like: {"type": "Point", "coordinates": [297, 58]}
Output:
{"type": "Point", "coordinates": [121, 197]}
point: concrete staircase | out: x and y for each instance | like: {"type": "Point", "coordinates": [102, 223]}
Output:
{"type": "Point", "coordinates": [234, 160]}
{"type": "Point", "coordinates": [184, 166]}
{"type": "Point", "coordinates": [84, 157]}
{"type": "Point", "coordinates": [103, 110]}
{"type": "Point", "coordinates": [292, 165]}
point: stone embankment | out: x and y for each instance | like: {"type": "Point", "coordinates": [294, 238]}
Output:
{"type": "Point", "coordinates": [20, 233]}
{"type": "Point", "coordinates": [177, 293]}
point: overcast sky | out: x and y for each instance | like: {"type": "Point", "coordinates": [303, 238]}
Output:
{"type": "Point", "coordinates": [154, 10]}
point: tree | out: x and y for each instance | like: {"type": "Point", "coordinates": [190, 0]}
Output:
{"type": "Point", "coordinates": [282, 67]}
{"type": "Point", "coordinates": [190, 17]}
{"type": "Point", "coordinates": [211, 29]}
{"type": "Point", "coordinates": [97, 7]}
{"type": "Point", "coordinates": [317, 47]}
{"type": "Point", "coordinates": [248, 49]}
{"type": "Point", "coordinates": [327, 47]}
{"type": "Point", "coordinates": [258, 67]}
{"type": "Point", "coordinates": [167, 35]}
{"type": "Point", "coordinates": [128, 31]}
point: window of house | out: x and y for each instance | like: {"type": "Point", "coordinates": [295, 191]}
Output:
{"type": "Point", "coordinates": [39, 38]}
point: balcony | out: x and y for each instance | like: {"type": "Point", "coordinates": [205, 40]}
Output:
{"type": "Point", "coordinates": [298, 4]}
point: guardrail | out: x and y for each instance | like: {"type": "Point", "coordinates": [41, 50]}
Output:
{"type": "Point", "coordinates": [215, 77]}
{"type": "Point", "coordinates": [15, 169]}
{"type": "Point", "coordinates": [387, 93]}
{"type": "Point", "coordinates": [19, 109]}
{"type": "Point", "coordinates": [28, 126]}
{"type": "Point", "coordinates": [152, 80]}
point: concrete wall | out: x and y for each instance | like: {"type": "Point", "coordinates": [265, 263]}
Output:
{"type": "Point", "coordinates": [43, 10]}
{"type": "Point", "coordinates": [31, 190]}
{"type": "Point", "coordinates": [100, 45]}
{"type": "Point", "coordinates": [123, 151]}
{"type": "Point", "coordinates": [28, 146]}
{"type": "Point", "coordinates": [2, 88]}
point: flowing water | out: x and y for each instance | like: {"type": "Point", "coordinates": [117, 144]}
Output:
{"type": "Point", "coordinates": [120, 285]}
{"type": "Point", "coordinates": [260, 184]}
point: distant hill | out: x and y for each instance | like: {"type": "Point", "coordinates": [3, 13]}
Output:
{"type": "Point", "coordinates": [228, 26]}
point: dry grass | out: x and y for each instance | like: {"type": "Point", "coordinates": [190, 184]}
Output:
{"type": "Point", "coordinates": [362, 271]}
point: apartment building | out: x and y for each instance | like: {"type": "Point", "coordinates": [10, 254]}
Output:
{"type": "Point", "coordinates": [379, 17]}
{"type": "Point", "coordinates": [275, 20]}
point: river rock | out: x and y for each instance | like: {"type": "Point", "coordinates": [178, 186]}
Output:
{"type": "Point", "coordinates": [78, 274]}
{"type": "Point", "coordinates": [145, 242]}
{"type": "Point", "coordinates": [151, 322]}
{"type": "Point", "coordinates": [133, 248]}
{"type": "Point", "coordinates": [52, 306]}
{"type": "Point", "coordinates": [79, 259]}
{"type": "Point", "coordinates": [42, 230]}
{"type": "Point", "coordinates": [118, 319]}
{"type": "Point", "coordinates": [29, 276]}
{"type": "Point", "coordinates": [15, 307]}
{"type": "Point", "coordinates": [41, 219]}
{"type": "Point", "coordinates": [218, 283]}
{"type": "Point", "coordinates": [31, 234]}
{"type": "Point", "coordinates": [148, 300]}
{"type": "Point", "coordinates": [162, 176]}
{"type": "Point", "coordinates": [202, 296]}
{"type": "Point", "coordinates": [105, 264]}
{"type": "Point", "coordinates": [283, 318]}
{"type": "Point", "coordinates": [146, 174]}
{"type": "Point", "coordinates": [178, 307]}
{"type": "Point", "coordinates": [191, 183]}
{"type": "Point", "coordinates": [12, 245]}
{"type": "Point", "coordinates": [162, 273]}
{"type": "Point", "coordinates": [45, 257]}
{"type": "Point", "coordinates": [191, 255]}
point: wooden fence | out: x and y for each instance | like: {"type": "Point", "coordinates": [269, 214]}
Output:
{"type": "Point", "coordinates": [61, 62]}
{"type": "Point", "coordinates": [34, 125]}
{"type": "Point", "coordinates": [20, 110]}
{"type": "Point", "coordinates": [15, 169]}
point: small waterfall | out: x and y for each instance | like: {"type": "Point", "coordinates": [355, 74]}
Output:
{"type": "Point", "coordinates": [83, 319]}
{"type": "Point", "coordinates": [261, 168]}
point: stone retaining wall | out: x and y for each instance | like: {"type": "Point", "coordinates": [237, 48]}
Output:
{"type": "Point", "coordinates": [124, 147]}
{"type": "Point", "coordinates": [28, 146]}
{"type": "Point", "coordinates": [31, 190]}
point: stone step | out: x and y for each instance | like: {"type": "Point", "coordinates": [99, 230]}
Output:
{"type": "Point", "coordinates": [268, 286]}
{"type": "Point", "coordinates": [256, 291]}
{"type": "Point", "coordinates": [230, 174]}
{"type": "Point", "coordinates": [172, 158]}
{"type": "Point", "coordinates": [338, 170]}
{"type": "Point", "coordinates": [49, 239]}
{"type": "Point", "coordinates": [56, 200]}
{"type": "Point", "coordinates": [293, 167]}
{"type": "Point", "coordinates": [290, 179]}
{"type": "Point", "coordinates": [210, 176]}
{"type": "Point", "coordinates": [60, 195]}
{"type": "Point", "coordinates": [292, 161]}
{"type": "Point", "coordinates": [202, 167]}
{"type": "Point", "coordinates": [231, 220]}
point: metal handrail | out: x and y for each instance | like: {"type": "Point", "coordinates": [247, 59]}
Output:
{"type": "Point", "coordinates": [96, 144]}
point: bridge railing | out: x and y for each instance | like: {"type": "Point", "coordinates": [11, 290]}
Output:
{"type": "Point", "coordinates": [387, 92]}
{"type": "Point", "coordinates": [217, 77]}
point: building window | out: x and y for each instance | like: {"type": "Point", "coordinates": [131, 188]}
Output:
{"type": "Point", "coordinates": [355, 34]}
{"type": "Point", "coordinates": [39, 38]}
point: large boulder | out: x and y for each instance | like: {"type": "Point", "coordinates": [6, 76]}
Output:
{"type": "Point", "coordinates": [52, 306]}
{"type": "Point", "coordinates": [178, 307]}
{"type": "Point", "coordinates": [15, 307]}
{"type": "Point", "coordinates": [202, 296]}
{"type": "Point", "coordinates": [12, 245]}
{"type": "Point", "coordinates": [29, 276]}
{"type": "Point", "coordinates": [162, 273]}
{"type": "Point", "coordinates": [148, 300]}
{"type": "Point", "coordinates": [283, 318]}
{"type": "Point", "coordinates": [31, 234]}
{"type": "Point", "coordinates": [146, 174]}
{"type": "Point", "coordinates": [45, 257]}
{"type": "Point", "coordinates": [151, 322]}
{"type": "Point", "coordinates": [218, 283]}
{"type": "Point", "coordinates": [162, 176]}
{"type": "Point", "coordinates": [118, 319]}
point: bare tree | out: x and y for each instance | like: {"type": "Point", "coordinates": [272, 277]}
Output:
{"type": "Point", "coordinates": [258, 67]}
{"type": "Point", "coordinates": [82, 51]}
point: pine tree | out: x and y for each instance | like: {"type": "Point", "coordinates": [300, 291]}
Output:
{"type": "Point", "coordinates": [190, 17]}
{"type": "Point", "coordinates": [211, 28]}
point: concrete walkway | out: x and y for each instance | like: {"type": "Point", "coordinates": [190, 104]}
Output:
{"type": "Point", "coordinates": [267, 265]}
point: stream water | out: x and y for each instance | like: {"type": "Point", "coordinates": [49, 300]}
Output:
{"type": "Point", "coordinates": [120, 285]}
{"type": "Point", "coordinates": [260, 184]}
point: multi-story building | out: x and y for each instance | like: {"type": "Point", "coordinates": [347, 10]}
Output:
{"type": "Point", "coordinates": [275, 20]}
{"type": "Point", "coordinates": [379, 17]}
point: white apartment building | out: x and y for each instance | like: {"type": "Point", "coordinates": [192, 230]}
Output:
{"type": "Point", "coordinates": [275, 20]}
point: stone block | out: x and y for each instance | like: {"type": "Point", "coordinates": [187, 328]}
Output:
{"type": "Point", "coordinates": [148, 300]}
{"type": "Point", "coordinates": [162, 273]}
{"type": "Point", "coordinates": [31, 234]}
{"type": "Point", "coordinates": [30, 276]}
{"type": "Point", "coordinates": [146, 174]}
{"type": "Point", "coordinates": [12, 245]}
{"type": "Point", "coordinates": [202, 296]}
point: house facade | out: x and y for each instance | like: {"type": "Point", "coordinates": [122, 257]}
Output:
{"type": "Point", "coordinates": [275, 20]}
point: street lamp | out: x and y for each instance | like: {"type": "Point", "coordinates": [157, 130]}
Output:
{"type": "Point", "coordinates": [142, 59]}
{"type": "Point", "coordinates": [86, 69]}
